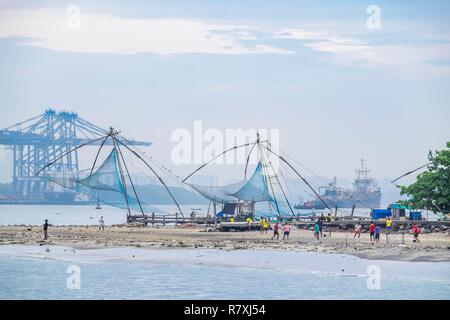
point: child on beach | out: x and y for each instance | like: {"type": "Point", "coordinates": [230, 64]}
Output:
{"type": "Point", "coordinates": [45, 227]}
{"type": "Point", "coordinates": [276, 233]}
{"type": "Point", "coordinates": [317, 230]}
{"type": "Point", "coordinates": [286, 231]}
{"type": "Point", "coordinates": [377, 234]}
{"type": "Point", "coordinates": [357, 231]}
{"type": "Point", "coordinates": [415, 231]}
{"type": "Point", "coordinates": [372, 231]}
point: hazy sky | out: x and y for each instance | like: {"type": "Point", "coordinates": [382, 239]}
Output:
{"type": "Point", "coordinates": [335, 89]}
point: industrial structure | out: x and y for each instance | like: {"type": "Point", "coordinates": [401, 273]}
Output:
{"type": "Point", "coordinates": [43, 139]}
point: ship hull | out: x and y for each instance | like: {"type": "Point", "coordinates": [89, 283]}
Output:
{"type": "Point", "coordinates": [372, 202]}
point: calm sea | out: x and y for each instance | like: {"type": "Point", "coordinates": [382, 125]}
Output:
{"type": "Point", "coordinates": [130, 273]}
{"type": "Point", "coordinates": [60, 215]}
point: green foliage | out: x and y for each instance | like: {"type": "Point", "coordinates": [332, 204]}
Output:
{"type": "Point", "coordinates": [432, 188]}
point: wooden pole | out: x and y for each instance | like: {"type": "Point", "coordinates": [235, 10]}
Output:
{"type": "Point", "coordinates": [153, 218]}
{"type": "Point", "coordinates": [215, 214]}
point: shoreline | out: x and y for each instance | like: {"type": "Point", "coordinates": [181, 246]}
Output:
{"type": "Point", "coordinates": [434, 247]}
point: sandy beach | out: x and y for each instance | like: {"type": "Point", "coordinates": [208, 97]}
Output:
{"type": "Point", "coordinates": [433, 246]}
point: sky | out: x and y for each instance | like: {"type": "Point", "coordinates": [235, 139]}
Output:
{"type": "Point", "coordinates": [335, 87]}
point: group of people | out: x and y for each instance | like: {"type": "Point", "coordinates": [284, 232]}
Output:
{"type": "Point", "coordinates": [265, 225]}
{"type": "Point", "coordinates": [375, 231]}
{"type": "Point", "coordinates": [276, 231]}
{"type": "Point", "coordinates": [318, 226]}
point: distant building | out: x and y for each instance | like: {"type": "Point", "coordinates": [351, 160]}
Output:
{"type": "Point", "coordinates": [6, 165]}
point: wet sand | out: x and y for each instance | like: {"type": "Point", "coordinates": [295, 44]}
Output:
{"type": "Point", "coordinates": [433, 246]}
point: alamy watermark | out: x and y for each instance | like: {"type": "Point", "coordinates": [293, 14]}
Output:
{"type": "Point", "coordinates": [73, 21]}
{"type": "Point", "coordinates": [200, 145]}
{"type": "Point", "coordinates": [374, 279]}
{"type": "Point", "coordinates": [373, 22]}
{"type": "Point", "coordinates": [73, 281]}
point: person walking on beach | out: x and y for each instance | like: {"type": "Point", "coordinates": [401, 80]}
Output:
{"type": "Point", "coordinates": [372, 231]}
{"type": "Point", "coordinates": [266, 226]}
{"type": "Point", "coordinates": [330, 217]}
{"type": "Point", "coordinates": [276, 232]}
{"type": "Point", "coordinates": [249, 223]}
{"type": "Point", "coordinates": [388, 225]}
{"type": "Point", "coordinates": [377, 234]}
{"type": "Point", "coordinates": [286, 231]}
{"type": "Point", "coordinates": [388, 228]}
{"type": "Point", "coordinates": [415, 231]}
{"type": "Point", "coordinates": [357, 231]}
{"type": "Point", "coordinates": [101, 224]}
{"type": "Point", "coordinates": [45, 227]}
{"type": "Point", "coordinates": [317, 230]}
{"type": "Point", "coordinates": [321, 220]}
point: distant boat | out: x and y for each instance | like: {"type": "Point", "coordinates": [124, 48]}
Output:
{"type": "Point", "coordinates": [98, 207]}
{"type": "Point", "coordinates": [365, 194]}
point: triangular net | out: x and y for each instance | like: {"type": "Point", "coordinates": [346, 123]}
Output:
{"type": "Point", "coordinates": [104, 185]}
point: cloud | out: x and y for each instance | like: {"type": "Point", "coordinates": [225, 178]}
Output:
{"type": "Point", "coordinates": [357, 50]}
{"type": "Point", "coordinates": [99, 33]}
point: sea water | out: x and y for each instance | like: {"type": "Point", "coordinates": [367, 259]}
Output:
{"type": "Point", "coordinates": [40, 272]}
{"type": "Point", "coordinates": [61, 215]}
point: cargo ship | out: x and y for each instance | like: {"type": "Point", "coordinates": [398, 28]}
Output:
{"type": "Point", "coordinates": [365, 194]}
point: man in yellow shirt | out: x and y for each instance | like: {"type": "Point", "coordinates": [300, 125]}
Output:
{"type": "Point", "coordinates": [261, 225]}
{"type": "Point", "coordinates": [232, 219]}
{"type": "Point", "coordinates": [388, 228]}
{"type": "Point", "coordinates": [249, 223]}
{"type": "Point", "coordinates": [266, 225]}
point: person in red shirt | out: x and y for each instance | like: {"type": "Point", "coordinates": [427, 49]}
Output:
{"type": "Point", "coordinates": [372, 231]}
{"type": "Point", "coordinates": [415, 231]}
{"type": "Point", "coordinates": [276, 231]}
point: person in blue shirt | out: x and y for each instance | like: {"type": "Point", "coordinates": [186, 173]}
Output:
{"type": "Point", "coordinates": [317, 230]}
{"type": "Point", "coordinates": [377, 234]}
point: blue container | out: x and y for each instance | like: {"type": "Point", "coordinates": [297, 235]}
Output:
{"type": "Point", "coordinates": [381, 213]}
{"type": "Point", "coordinates": [415, 215]}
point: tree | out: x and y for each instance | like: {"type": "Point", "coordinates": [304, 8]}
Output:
{"type": "Point", "coordinates": [431, 191]}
